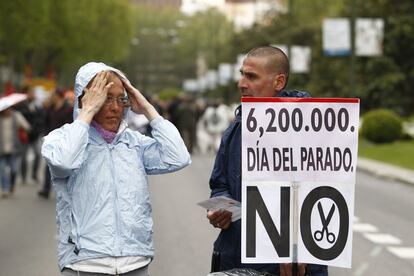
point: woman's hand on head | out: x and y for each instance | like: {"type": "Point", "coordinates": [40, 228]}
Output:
{"type": "Point", "coordinates": [139, 103]}
{"type": "Point", "coordinates": [94, 96]}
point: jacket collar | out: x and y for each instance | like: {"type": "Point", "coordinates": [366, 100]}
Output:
{"type": "Point", "coordinates": [96, 139]}
{"type": "Point", "coordinates": [237, 114]}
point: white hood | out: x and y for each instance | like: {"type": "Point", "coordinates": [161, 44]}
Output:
{"type": "Point", "coordinates": [84, 76]}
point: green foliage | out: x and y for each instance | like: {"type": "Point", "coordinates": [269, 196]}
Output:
{"type": "Point", "coordinates": [399, 153]}
{"type": "Point", "coordinates": [63, 34]}
{"type": "Point", "coordinates": [381, 126]}
{"type": "Point", "coordinates": [208, 34]}
{"type": "Point", "coordinates": [386, 81]}
{"type": "Point", "coordinates": [24, 25]}
{"type": "Point", "coordinates": [158, 48]}
{"type": "Point", "coordinates": [169, 94]}
{"type": "Point", "coordinates": [382, 79]}
{"type": "Point", "coordinates": [303, 27]}
{"type": "Point", "coordinates": [152, 60]}
{"type": "Point", "coordinates": [381, 82]}
{"type": "Point", "coordinates": [167, 45]}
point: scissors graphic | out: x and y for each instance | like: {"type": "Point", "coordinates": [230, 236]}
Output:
{"type": "Point", "coordinates": [318, 235]}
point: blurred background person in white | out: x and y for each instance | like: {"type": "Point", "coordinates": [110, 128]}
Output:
{"type": "Point", "coordinates": [216, 119]}
{"type": "Point", "coordinates": [34, 113]}
{"type": "Point", "coordinates": [13, 128]}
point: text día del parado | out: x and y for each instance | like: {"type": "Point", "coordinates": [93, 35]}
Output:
{"type": "Point", "coordinates": [310, 159]}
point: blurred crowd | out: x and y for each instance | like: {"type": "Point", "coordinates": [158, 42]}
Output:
{"type": "Point", "coordinates": [22, 127]}
{"type": "Point", "coordinates": [201, 123]}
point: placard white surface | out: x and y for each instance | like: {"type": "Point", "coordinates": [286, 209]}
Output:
{"type": "Point", "coordinates": [313, 143]}
{"type": "Point", "coordinates": [336, 37]}
{"type": "Point", "coordinates": [301, 57]}
{"type": "Point", "coordinates": [369, 36]}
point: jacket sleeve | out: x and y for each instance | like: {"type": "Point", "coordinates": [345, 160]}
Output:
{"type": "Point", "coordinates": [218, 181]}
{"type": "Point", "coordinates": [166, 151]}
{"type": "Point", "coordinates": [64, 148]}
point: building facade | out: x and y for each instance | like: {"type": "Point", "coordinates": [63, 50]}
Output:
{"type": "Point", "coordinates": [243, 13]}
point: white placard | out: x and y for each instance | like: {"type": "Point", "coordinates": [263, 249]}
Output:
{"type": "Point", "coordinates": [212, 79]}
{"type": "Point", "coordinates": [190, 85]}
{"type": "Point", "coordinates": [202, 83]}
{"type": "Point", "coordinates": [313, 143]}
{"type": "Point", "coordinates": [369, 36]}
{"type": "Point", "coordinates": [336, 37]}
{"type": "Point", "coordinates": [300, 60]}
{"type": "Point", "coordinates": [225, 73]}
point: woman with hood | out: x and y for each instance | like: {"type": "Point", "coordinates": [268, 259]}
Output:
{"type": "Point", "coordinates": [99, 170]}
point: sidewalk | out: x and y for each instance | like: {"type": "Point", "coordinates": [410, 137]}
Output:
{"type": "Point", "coordinates": [386, 170]}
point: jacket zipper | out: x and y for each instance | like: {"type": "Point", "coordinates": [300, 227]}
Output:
{"type": "Point", "coordinates": [115, 193]}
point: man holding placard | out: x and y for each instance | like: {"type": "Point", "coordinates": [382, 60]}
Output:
{"type": "Point", "coordinates": [265, 73]}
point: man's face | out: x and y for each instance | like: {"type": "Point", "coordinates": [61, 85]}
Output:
{"type": "Point", "coordinates": [110, 115]}
{"type": "Point", "coordinates": [255, 80]}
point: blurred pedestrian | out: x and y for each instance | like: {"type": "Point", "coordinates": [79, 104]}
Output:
{"type": "Point", "coordinates": [141, 123]}
{"type": "Point", "coordinates": [173, 107]}
{"type": "Point", "coordinates": [186, 116]}
{"type": "Point", "coordinates": [158, 105]}
{"type": "Point", "coordinates": [35, 115]}
{"type": "Point", "coordinates": [58, 113]}
{"type": "Point", "coordinates": [199, 130]}
{"type": "Point", "coordinates": [265, 73]}
{"type": "Point", "coordinates": [99, 171]}
{"type": "Point", "coordinates": [216, 118]}
{"type": "Point", "coordinates": [13, 127]}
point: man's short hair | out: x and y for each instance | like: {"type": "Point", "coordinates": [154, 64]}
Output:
{"type": "Point", "coordinates": [277, 61]}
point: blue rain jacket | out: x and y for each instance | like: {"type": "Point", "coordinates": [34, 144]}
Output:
{"type": "Point", "coordinates": [103, 206]}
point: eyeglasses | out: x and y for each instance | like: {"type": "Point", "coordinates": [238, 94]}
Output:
{"type": "Point", "coordinates": [120, 101]}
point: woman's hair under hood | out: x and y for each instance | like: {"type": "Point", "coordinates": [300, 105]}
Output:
{"type": "Point", "coordinates": [85, 75]}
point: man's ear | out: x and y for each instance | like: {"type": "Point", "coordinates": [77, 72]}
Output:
{"type": "Point", "coordinates": [279, 82]}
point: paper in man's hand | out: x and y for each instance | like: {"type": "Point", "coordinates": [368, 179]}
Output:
{"type": "Point", "coordinates": [224, 203]}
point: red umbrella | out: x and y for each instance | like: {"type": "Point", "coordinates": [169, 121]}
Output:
{"type": "Point", "coordinates": [10, 100]}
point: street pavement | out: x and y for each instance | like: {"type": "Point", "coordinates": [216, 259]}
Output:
{"type": "Point", "coordinates": [183, 237]}
{"type": "Point", "coordinates": [27, 234]}
{"type": "Point", "coordinates": [383, 243]}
